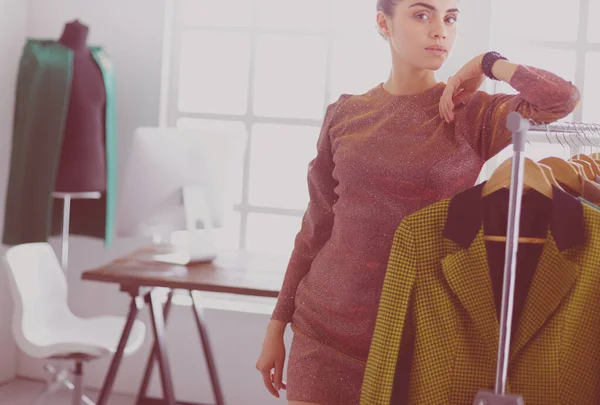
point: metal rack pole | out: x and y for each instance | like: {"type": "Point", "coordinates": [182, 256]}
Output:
{"type": "Point", "coordinates": [565, 127]}
{"type": "Point", "coordinates": [519, 127]}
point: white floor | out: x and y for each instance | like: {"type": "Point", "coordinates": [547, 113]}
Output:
{"type": "Point", "coordinates": [25, 392]}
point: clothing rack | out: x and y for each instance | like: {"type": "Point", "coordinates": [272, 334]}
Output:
{"type": "Point", "coordinates": [519, 127]}
{"type": "Point", "coordinates": [574, 135]}
{"type": "Point", "coordinates": [577, 127]}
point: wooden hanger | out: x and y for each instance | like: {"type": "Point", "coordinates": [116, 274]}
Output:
{"type": "Point", "coordinates": [550, 176]}
{"type": "Point", "coordinates": [533, 177]}
{"type": "Point", "coordinates": [587, 169]}
{"type": "Point", "coordinates": [592, 162]}
{"type": "Point", "coordinates": [595, 157]}
{"type": "Point", "coordinates": [579, 168]}
{"type": "Point", "coordinates": [564, 173]}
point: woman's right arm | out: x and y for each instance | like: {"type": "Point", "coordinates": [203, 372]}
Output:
{"type": "Point", "coordinates": [314, 233]}
{"type": "Point", "coordinates": [317, 221]}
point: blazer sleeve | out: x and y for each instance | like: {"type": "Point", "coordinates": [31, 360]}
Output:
{"type": "Point", "coordinates": [317, 221]}
{"type": "Point", "coordinates": [543, 97]}
{"type": "Point", "coordinates": [393, 314]}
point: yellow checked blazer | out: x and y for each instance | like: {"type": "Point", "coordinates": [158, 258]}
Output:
{"type": "Point", "coordinates": [445, 291]}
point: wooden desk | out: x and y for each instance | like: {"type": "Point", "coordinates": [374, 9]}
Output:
{"type": "Point", "coordinates": [231, 272]}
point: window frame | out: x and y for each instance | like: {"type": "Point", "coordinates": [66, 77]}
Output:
{"type": "Point", "coordinates": [581, 46]}
{"type": "Point", "coordinates": [169, 112]}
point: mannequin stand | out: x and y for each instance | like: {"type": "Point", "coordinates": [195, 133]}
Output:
{"type": "Point", "coordinates": [67, 197]}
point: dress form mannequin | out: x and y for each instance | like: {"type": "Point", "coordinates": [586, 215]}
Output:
{"type": "Point", "coordinates": [82, 165]}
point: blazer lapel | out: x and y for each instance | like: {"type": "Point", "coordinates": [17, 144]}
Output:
{"type": "Point", "coordinates": [552, 281]}
{"type": "Point", "coordinates": [467, 274]}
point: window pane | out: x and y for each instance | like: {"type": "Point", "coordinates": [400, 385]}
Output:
{"type": "Point", "coordinates": [547, 20]}
{"type": "Point", "coordinates": [226, 237]}
{"type": "Point", "coordinates": [353, 15]}
{"type": "Point", "coordinates": [226, 126]}
{"type": "Point", "coordinates": [591, 96]}
{"type": "Point", "coordinates": [538, 151]}
{"type": "Point", "coordinates": [305, 15]}
{"type": "Point", "coordinates": [278, 165]}
{"type": "Point", "coordinates": [268, 233]}
{"type": "Point", "coordinates": [594, 17]}
{"type": "Point", "coordinates": [359, 63]}
{"type": "Point", "coordinates": [211, 125]}
{"type": "Point", "coordinates": [230, 13]}
{"type": "Point", "coordinates": [290, 76]}
{"type": "Point", "coordinates": [214, 72]}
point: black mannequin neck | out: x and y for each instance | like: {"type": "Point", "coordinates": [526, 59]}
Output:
{"type": "Point", "coordinates": [75, 35]}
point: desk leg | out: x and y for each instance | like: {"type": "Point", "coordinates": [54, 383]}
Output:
{"type": "Point", "coordinates": [116, 360]}
{"type": "Point", "coordinates": [210, 362]}
{"type": "Point", "coordinates": [153, 354]}
{"type": "Point", "coordinates": [158, 325]}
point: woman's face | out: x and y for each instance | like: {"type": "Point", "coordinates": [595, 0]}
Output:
{"type": "Point", "coordinates": [421, 32]}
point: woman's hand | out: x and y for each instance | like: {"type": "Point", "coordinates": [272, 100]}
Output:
{"type": "Point", "coordinates": [272, 358]}
{"type": "Point", "coordinates": [461, 86]}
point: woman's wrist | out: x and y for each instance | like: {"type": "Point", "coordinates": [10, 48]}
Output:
{"type": "Point", "coordinates": [496, 67]}
{"type": "Point", "coordinates": [504, 70]}
{"type": "Point", "coordinates": [488, 61]}
{"type": "Point", "coordinates": [276, 326]}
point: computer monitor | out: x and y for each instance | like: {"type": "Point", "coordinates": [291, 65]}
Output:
{"type": "Point", "coordinates": [167, 166]}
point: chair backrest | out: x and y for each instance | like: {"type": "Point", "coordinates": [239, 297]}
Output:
{"type": "Point", "coordinates": [39, 290]}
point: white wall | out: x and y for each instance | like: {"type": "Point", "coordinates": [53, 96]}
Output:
{"type": "Point", "coordinates": [12, 34]}
{"type": "Point", "coordinates": [132, 31]}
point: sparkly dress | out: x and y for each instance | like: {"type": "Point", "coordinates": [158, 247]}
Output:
{"type": "Point", "coordinates": [380, 158]}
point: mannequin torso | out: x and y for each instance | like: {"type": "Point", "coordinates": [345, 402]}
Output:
{"type": "Point", "coordinates": [82, 164]}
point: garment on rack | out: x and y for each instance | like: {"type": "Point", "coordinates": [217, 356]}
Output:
{"type": "Point", "coordinates": [590, 190]}
{"type": "Point", "coordinates": [589, 203]}
{"type": "Point", "coordinates": [436, 334]}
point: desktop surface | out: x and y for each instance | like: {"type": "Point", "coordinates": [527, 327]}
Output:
{"type": "Point", "coordinates": [231, 272]}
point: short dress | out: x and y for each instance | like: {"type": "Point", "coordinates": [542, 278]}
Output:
{"type": "Point", "coordinates": [380, 158]}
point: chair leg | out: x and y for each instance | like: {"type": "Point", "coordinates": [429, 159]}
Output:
{"type": "Point", "coordinates": [53, 385]}
{"type": "Point", "coordinates": [59, 379]}
{"type": "Point", "coordinates": [86, 400]}
{"type": "Point", "coordinates": [77, 386]}
{"type": "Point", "coordinates": [51, 388]}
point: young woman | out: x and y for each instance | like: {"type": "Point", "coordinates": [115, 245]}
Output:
{"type": "Point", "coordinates": [381, 156]}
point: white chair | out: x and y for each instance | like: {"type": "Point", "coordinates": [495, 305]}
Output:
{"type": "Point", "coordinates": [44, 327]}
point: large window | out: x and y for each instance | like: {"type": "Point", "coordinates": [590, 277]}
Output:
{"type": "Point", "coordinates": [555, 35]}
{"type": "Point", "coordinates": [560, 36]}
{"type": "Point", "coordinates": [270, 67]}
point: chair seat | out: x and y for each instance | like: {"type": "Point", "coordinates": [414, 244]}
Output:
{"type": "Point", "coordinates": [93, 337]}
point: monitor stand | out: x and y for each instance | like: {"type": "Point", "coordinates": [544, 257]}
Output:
{"type": "Point", "coordinates": [199, 246]}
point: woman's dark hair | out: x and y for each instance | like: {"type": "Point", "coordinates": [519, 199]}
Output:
{"type": "Point", "coordinates": [387, 6]}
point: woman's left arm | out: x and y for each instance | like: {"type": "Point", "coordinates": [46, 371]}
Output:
{"type": "Point", "coordinates": [542, 97]}
{"type": "Point", "coordinates": [504, 70]}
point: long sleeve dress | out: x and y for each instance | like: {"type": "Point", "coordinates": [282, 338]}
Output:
{"type": "Point", "coordinates": [380, 158]}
